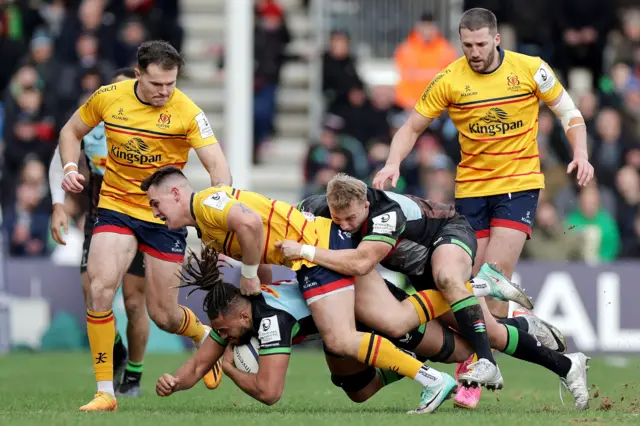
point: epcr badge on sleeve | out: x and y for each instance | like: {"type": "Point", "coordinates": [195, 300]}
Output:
{"type": "Point", "coordinates": [544, 78]}
{"type": "Point", "coordinates": [203, 124]}
{"type": "Point", "coordinates": [217, 200]}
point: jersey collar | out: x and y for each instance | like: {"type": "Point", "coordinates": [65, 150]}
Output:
{"type": "Point", "coordinates": [501, 52]}
{"type": "Point", "coordinates": [135, 92]}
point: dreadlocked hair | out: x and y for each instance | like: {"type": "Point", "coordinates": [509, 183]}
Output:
{"type": "Point", "coordinates": [203, 273]}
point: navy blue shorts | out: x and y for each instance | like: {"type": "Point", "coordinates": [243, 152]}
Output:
{"type": "Point", "coordinates": [515, 210]}
{"type": "Point", "coordinates": [153, 238]}
{"type": "Point", "coordinates": [317, 282]}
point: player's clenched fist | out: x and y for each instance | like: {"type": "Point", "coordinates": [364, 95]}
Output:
{"type": "Point", "coordinates": [390, 172]}
{"type": "Point", "coordinates": [166, 385]}
{"type": "Point", "coordinates": [72, 179]}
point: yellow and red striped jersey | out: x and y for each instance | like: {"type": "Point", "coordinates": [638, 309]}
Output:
{"type": "Point", "coordinates": [496, 115]}
{"type": "Point", "coordinates": [141, 139]}
{"type": "Point", "coordinates": [281, 221]}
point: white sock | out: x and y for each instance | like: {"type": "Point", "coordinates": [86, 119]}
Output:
{"type": "Point", "coordinates": [480, 287]}
{"type": "Point", "coordinates": [106, 386]}
{"type": "Point", "coordinates": [428, 376]}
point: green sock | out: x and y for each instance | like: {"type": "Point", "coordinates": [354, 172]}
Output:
{"type": "Point", "coordinates": [134, 367]}
{"type": "Point", "coordinates": [388, 376]}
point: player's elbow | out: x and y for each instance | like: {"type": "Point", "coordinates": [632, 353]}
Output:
{"type": "Point", "coordinates": [363, 266]}
{"type": "Point", "coordinates": [271, 396]}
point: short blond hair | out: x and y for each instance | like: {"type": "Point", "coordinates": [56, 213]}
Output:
{"type": "Point", "coordinates": [342, 189]}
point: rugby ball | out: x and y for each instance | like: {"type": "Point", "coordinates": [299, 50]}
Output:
{"type": "Point", "coordinates": [245, 357]}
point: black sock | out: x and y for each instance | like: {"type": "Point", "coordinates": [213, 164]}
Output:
{"type": "Point", "coordinates": [524, 346]}
{"type": "Point", "coordinates": [470, 320]}
{"type": "Point", "coordinates": [119, 351]}
{"type": "Point", "coordinates": [519, 322]}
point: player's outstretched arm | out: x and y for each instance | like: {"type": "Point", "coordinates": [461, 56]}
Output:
{"type": "Point", "coordinates": [249, 230]}
{"type": "Point", "coordinates": [268, 384]}
{"type": "Point", "coordinates": [70, 138]}
{"type": "Point", "coordinates": [401, 145]}
{"type": "Point", "coordinates": [576, 130]}
{"type": "Point", "coordinates": [213, 159]}
{"type": "Point", "coordinates": [352, 262]}
{"type": "Point", "coordinates": [191, 371]}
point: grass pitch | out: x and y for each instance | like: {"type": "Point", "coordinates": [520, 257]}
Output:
{"type": "Point", "coordinates": [47, 389]}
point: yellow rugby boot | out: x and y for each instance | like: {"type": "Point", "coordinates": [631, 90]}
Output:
{"type": "Point", "coordinates": [102, 401]}
{"type": "Point", "coordinates": [213, 378]}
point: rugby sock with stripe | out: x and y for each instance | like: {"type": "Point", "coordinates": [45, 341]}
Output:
{"type": "Point", "coordinates": [471, 324]}
{"type": "Point", "coordinates": [134, 367]}
{"type": "Point", "coordinates": [102, 333]}
{"type": "Point", "coordinates": [191, 326]}
{"type": "Point", "coordinates": [379, 352]}
{"type": "Point", "coordinates": [524, 346]}
{"type": "Point", "coordinates": [431, 304]}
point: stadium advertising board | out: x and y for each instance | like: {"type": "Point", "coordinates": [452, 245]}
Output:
{"type": "Point", "coordinates": [593, 306]}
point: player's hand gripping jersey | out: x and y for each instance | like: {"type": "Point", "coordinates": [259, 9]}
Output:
{"type": "Point", "coordinates": [141, 139]}
{"type": "Point", "coordinates": [412, 226]}
{"type": "Point", "coordinates": [497, 117]}
{"type": "Point", "coordinates": [281, 221]}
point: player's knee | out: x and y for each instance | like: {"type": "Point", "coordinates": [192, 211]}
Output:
{"type": "Point", "coordinates": [337, 344]}
{"type": "Point", "coordinates": [446, 281]}
{"type": "Point", "coordinates": [355, 384]}
{"type": "Point", "coordinates": [100, 295]}
{"type": "Point", "coordinates": [162, 319]}
{"type": "Point", "coordinates": [134, 306]}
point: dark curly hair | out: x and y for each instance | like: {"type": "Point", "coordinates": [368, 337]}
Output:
{"type": "Point", "coordinates": [203, 273]}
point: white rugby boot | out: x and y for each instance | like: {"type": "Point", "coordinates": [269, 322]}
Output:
{"type": "Point", "coordinates": [500, 287]}
{"type": "Point", "coordinates": [433, 396]}
{"type": "Point", "coordinates": [482, 373]}
{"type": "Point", "coordinates": [576, 380]}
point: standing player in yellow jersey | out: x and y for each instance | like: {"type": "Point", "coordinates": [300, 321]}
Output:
{"type": "Point", "coordinates": [492, 96]}
{"type": "Point", "coordinates": [148, 124]}
{"type": "Point", "coordinates": [245, 225]}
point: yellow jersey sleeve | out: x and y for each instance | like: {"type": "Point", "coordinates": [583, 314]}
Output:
{"type": "Point", "coordinates": [199, 131]}
{"type": "Point", "coordinates": [548, 86]}
{"type": "Point", "coordinates": [212, 208]}
{"type": "Point", "coordinates": [435, 98]}
{"type": "Point", "coordinates": [91, 112]}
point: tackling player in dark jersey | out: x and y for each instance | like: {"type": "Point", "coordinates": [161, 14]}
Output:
{"type": "Point", "coordinates": [440, 252]}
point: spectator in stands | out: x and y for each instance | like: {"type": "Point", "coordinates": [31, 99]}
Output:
{"type": "Point", "coordinates": [40, 56]}
{"type": "Point", "coordinates": [609, 146]}
{"type": "Point", "coordinates": [131, 35]}
{"type": "Point", "coordinates": [88, 18]}
{"type": "Point", "coordinates": [270, 41]}
{"type": "Point", "coordinates": [438, 180]}
{"type": "Point", "coordinates": [532, 38]}
{"type": "Point", "coordinates": [583, 27]}
{"type": "Point", "coordinates": [339, 73]}
{"type": "Point", "coordinates": [601, 238]}
{"type": "Point", "coordinates": [425, 53]}
{"type": "Point", "coordinates": [553, 151]}
{"type": "Point", "coordinates": [25, 225]}
{"type": "Point", "coordinates": [69, 88]}
{"type": "Point", "coordinates": [550, 241]}
{"type": "Point", "coordinates": [11, 41]}
{"type": "Point", "coordinates": [631, 243]}
{"type": "Point", "coordinates": [630, 37]}
{"type": "Point", "coordinates": [628, 189]}
{"type": "Point", "coordinates": [362, 120]}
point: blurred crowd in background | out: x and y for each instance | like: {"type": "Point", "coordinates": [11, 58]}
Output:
{"type": "Point", "coordinates": [595, 49]}
{"type": "Point", "coordinates": [55, 53]}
